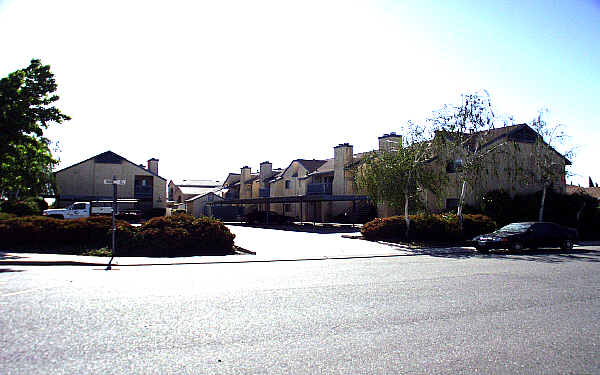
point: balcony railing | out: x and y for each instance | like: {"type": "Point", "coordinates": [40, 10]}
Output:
{"type": "Point", "coordinates": [318, 189]}
{"type": "Point", "coordinates": [264, 193]}
{"type": "Point", "coordinates": [141, 191]}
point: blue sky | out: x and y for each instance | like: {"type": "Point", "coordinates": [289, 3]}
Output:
{"type": "Point", "coordinates": [208, 87]}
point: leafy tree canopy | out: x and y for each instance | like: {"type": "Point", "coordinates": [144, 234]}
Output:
{"type": "Point", "coordinates": [26, 110]}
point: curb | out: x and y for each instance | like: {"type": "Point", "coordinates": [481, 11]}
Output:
{"type": "Point", "coordinates": [117, 264]}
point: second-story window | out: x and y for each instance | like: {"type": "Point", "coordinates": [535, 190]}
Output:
{"type": "Point", "coordinates": [287, 184]}
{"type": "Point", "coordinates": [454, 166]}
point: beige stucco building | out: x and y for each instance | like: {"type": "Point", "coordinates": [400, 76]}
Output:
{"type": "Point", "coordinates": [513, 159]}
{"type": "Point", "coordinates": [84, 181]}
{"type": "Point", "coordinates": [324, 190]}
{"type": "Point", "coordinates": [181, 191]}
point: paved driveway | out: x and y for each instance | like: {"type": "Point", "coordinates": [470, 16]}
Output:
{"type": "Point", "coordinates": [290, 244]}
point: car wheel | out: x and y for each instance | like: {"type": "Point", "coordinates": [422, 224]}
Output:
{"type": "Point", "coordinates": [567, 245]}
{"type": "Point", "coordinates": [517, 246]}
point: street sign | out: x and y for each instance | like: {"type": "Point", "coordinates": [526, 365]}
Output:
{"type": "Point", "coordinates": [115, 182]}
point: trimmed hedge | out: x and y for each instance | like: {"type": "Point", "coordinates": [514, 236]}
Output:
{"type": "Point", "coordinates": [177, 235]}
{"type": "Point", "coordinates": [441, 227]}
{"type": "Point", "coordinates": [45, 232]}
{"type": "Point", "coordinates": [27, 207]}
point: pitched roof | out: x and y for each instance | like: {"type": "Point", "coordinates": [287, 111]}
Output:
{"type": "Point", "coordinates": [232, 178]}
{"type": "Point", "coordinates": [195, 190]}
{"type": "Point", "coordinates": [203, 195]}
{"type": "Point", "coordinates": [109, 157]}
{"type": "Point", "coordinates": [592, 191]}
{"type": "Point", "coordinates": [520, 132]}
{"type": "Point", "coordinates": [197, 183]}
{"type": "Point", "coordinates": [311, 165]}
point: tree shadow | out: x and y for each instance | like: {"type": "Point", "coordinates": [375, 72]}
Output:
{"type": "Point", "coordinates": [6, 270]}
{"type": "Point", "coordinates": [6, 256]}
{"type": "Point", "coordinates": [538, 255]}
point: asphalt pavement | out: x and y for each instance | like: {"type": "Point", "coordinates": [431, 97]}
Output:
{"type": "Point", "coordinates": [453, 313]}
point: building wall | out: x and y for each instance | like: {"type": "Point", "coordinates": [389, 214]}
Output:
{"type": "Point", "coordinates": [87, 179]}
{"type": "Point", "coordinates": [197, 207]}
{"type": "Point", "coordinates": [511, 170]}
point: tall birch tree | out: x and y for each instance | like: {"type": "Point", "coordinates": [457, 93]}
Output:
{"type": "Point", "coordinates": [397, 177]}
{"type": "Point", "coordinates": [460, 133]}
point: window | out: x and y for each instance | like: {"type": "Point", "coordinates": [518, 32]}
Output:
{"type": "Point", "coordinates": [287, 207]}
{"type": "Point", "coordinates": [454, 166]}
{"type": "Point", "coordinates": [79, 206]}
{"type": "Point", "coordinates": [287, 184]}
{"type": "Point", "coordinates": [451, 203]}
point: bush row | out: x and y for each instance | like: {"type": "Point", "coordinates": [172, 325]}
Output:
{"type": "Point", "coordinates": [578, 211]}
{"type": "Point", "coordinates": [176, 235]}
{"type": "Point", "coordinates": [439, 227]}
{"type": "Point", "coordinates": [28, 206]}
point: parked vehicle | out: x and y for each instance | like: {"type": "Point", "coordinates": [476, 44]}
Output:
{"type": "Point", "coordinates": [518, 236]}
{"type": "Point", "coordinates": [267, 217]}
{"type": "Point", "coordinates": [78, 210]}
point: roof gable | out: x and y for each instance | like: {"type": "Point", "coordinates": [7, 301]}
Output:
{"type": "Point", "coordinates": [109, 157]}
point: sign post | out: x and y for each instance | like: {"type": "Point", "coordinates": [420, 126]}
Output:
{"type": "Point", "coordinates": [114, 182]}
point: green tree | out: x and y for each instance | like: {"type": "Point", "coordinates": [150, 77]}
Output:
{"type": "Point", "coordinates": [26, 110]}
{"type": "Point", "coordinates": [397, 177]}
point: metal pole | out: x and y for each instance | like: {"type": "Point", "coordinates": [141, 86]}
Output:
{"type": "Point", "coordinates": [114, 250]}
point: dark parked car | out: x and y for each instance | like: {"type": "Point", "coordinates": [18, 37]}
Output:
{"type": "Point", "coordinates": [264, 217]}
{"type": "Point", "coordinates": [517, 236]}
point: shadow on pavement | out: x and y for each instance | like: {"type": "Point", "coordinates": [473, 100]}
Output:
{"type": "Point", "coordinates": [5, 270]}
{"type": "Point", "coordinates": [539, 255]}
{"type": "Point", "coordinates": [5, 256]}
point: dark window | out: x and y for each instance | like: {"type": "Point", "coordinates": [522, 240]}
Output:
{"type": "Point", "coordinates": [287, 207]}
{"type": "Point", "coordinates": [451, 203]}
{"type": "Point", "coordinates": [454, 166]}
{"type": "Point", "coordinates": [287, 184]}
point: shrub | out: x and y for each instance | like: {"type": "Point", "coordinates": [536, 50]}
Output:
{"type": "Point", "coordinates": [384, 228]}
{"type": "Point", "coordinates": [49, 233]}
{"type": "Point", "coordinates": [29, 206]}
{"type": "Point", "coordinates": [176, 235]}
{"type": "Point", "coordinates": [4, 216]}
{"type": "Point", "coordinates": [180, 235]}
{"type": "Point", "coordinates": [440, 227]}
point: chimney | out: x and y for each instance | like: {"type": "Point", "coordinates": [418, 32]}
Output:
{"type": "Point", "coordinates": [153, 165]}
{"type": "Point", "coordinates": [266, 171]}
{"type": "Point", "coordinates": [388, 142]}
{"type": "Point", "coordinates": [244, 177]}
{"type": "Point", "coordinates": [342, 157]}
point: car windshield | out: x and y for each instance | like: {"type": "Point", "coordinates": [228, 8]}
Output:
{"type": "Point", "coordinates": [515, 228]}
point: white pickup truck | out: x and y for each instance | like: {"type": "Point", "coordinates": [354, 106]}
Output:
{"type": "Point", "coordinates": [78, 210]}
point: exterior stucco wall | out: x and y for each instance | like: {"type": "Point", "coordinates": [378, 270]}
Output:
{"type": "Point", "coordinates": [87, 179]}
{"type": "Point", "coordinates": [513, 171]}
